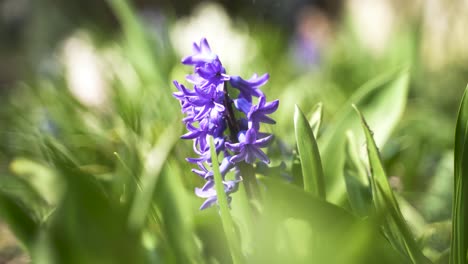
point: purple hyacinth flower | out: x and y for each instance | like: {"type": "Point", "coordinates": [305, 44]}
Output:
{"type": "Point", "coordinates": [208, 68]}
{"type": "Point", "coordinates": [248, 148]}
{"type": "Point", "coordinates": [202, 54]}
{"type": "Point", "coordinates": [206, 174]}
{"type": "Point", "coordinates": [250, 87]}
{"type": "Point", "coordinates": [202, 148]}
{"type": "Point", "coordinates": [213, 73]}
{"type": "Point", "coordinates": [258, 113]}
{"type": "Point", "coordinates": [208, 191]}
{"type": "Point", "coordinates": [243, 105]}
{"type": "Point", "coordinates": [207, 113]}
{"type": "Point", "coordinates": [208, 102]}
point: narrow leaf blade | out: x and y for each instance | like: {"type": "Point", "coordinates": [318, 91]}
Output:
{"type": "Point", "coordinates": [18, 219]}
{"type": "Point", "coordinates": [357, 182]}
{"type": "Point", "coordinates": [382, 100]}
{"type": "Point", "coordinates": [311, 164]}
{"type": "Point", "coordinates": [395, 226]}
{"type": "Point", "coordinates": [459, 244]}
{"type": "Point", "coordinates": [226, 219]}
{"type": "Point", "coordinates": [315, 120]}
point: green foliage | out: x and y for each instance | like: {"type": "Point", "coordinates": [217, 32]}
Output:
{"type": "Point", "coordinates": [459, 245]}
{"type": "Point", "coordinates": [357, 182]}
{"type": "Point", "coordinates": [317, 225]}
{"type": "Point", "coordinates": [312, 172]}
{"type": "Point", "coordinates": [385, 203]}
{"type": "Point", "coordinates": [382, 100]}
{"type": "Point", "coordinates": [315, 119]}
{"type": "Point", "coordinates": [109, 184]}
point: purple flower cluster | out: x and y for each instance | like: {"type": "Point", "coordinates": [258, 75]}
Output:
{"type": "Point", "coordinates": [209, 111]}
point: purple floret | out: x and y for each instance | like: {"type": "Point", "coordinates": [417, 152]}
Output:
{"type": "Point", "coordinates": [250, 87]}
{"type": "Point", "coordinates": [248, 148]}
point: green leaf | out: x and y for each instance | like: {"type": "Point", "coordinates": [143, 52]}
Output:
{"type": "Point", "coordinates": [385, 203]}
{"type": "Point", "coordinates": [228, 224]}
{"type": "Point", "coordinates": [26, 196]}
{"type": "Point", "coordinates": [174, 214]}
{"type": "Point", "coordinates": [88, 226]}
{"type": "Point", "coordinates": [41, 178]}
{"type": "Point", "coordinates": [315, 120]}
{"type": "Point", "coordinates": [153, 163]}
{"type": "Point", "coordinates": [382, 100]}
{"type": "Point", "coordinates": [459, 244]}
{"type": "Point", "coordinates": [297, 227]}
{"type": "Point", "coordinates": [311, 164]}
{"type": "Point", "coordinates": [19, 219]}
{"type": "Point", "coordinates": [139, 47]}
{"type": "Point", "coordinates": [357, 182]}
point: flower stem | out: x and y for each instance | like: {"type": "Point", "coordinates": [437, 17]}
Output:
{"type": "Point", "coordinates": [228, 224]}
{"type": "Point", "coordinates": [229, 114]}
{"type": "Point", "coordinates": [247, 170]}
{"type": "Point", "coordinates": [250, 180]}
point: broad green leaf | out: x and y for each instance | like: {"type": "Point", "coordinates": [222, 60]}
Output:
{"type": "Point", "coordinates": [26, 196]}
{"type": "Point", "coordinates": [41, 178]}
{"type": "Point", "coordinates": [382, 100]}
{"type": "Point", "coordinates": [459, 244]}
{"type": "Point", "coordinates": [385, 203]}
{"type": "Point", "coordinates": [357, 182]}
{"type": "Point", "coordinates": [293, 218]}
{"type": "Point", "coordinates": [311, 164]}
{"type": "Point", "coordinates": [315, 120]}
{"type": "Point", "coordinates": [20, 220]}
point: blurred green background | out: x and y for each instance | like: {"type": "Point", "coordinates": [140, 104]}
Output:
{"type": "Point", "coordinates": [87, 85]}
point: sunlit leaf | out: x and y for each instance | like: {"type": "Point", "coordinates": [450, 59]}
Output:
{"type": "Point", "coordinates": [319, 226]}
{"type": "Point", "coordinates": [459, 245]}
{"type": "Point", "coordinates": [385, 203]}
{"type": "Point", "coordinates": [315, 120]}
{"type": "Point", "coordinates": [357, 182]}
{"type": "Point", "coordinates": [226, 219]}
{"type": "Point", "coordinates": [311, 164]}
{"type": "Point", "coordinates": [40, 177]}
{"type": "Point", "coordinates": [382, 101]}
{"type": "Point", "coordinates": [153, 164]}
{"type": "Point", "coordinates": [19, 218]}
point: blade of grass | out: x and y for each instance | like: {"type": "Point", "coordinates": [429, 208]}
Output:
{"type": "Point", "coordinates": [311, 164]}
{"type": "Point", "coordinates": [395, 226]}
{"type": "Point", "coordinates": [138, 43]}
{"type": "Point", "coordinates": [459, 244]}
{"type": "Point", "coordinates": [174, 214]}
{"type": "Point", "coordinates": [228, 224]}
{"type": "Point", "coordinates": [153, 164]}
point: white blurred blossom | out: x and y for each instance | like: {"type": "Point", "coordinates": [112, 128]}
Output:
{"type": "Point", "coordinates": [84, 70]}
{"type": "Point", "coordinates": [234, 47]}
{"type": "Point", "coordinates": [373, 21]}
{"type": "Point", "coordinates": [444, 32]}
